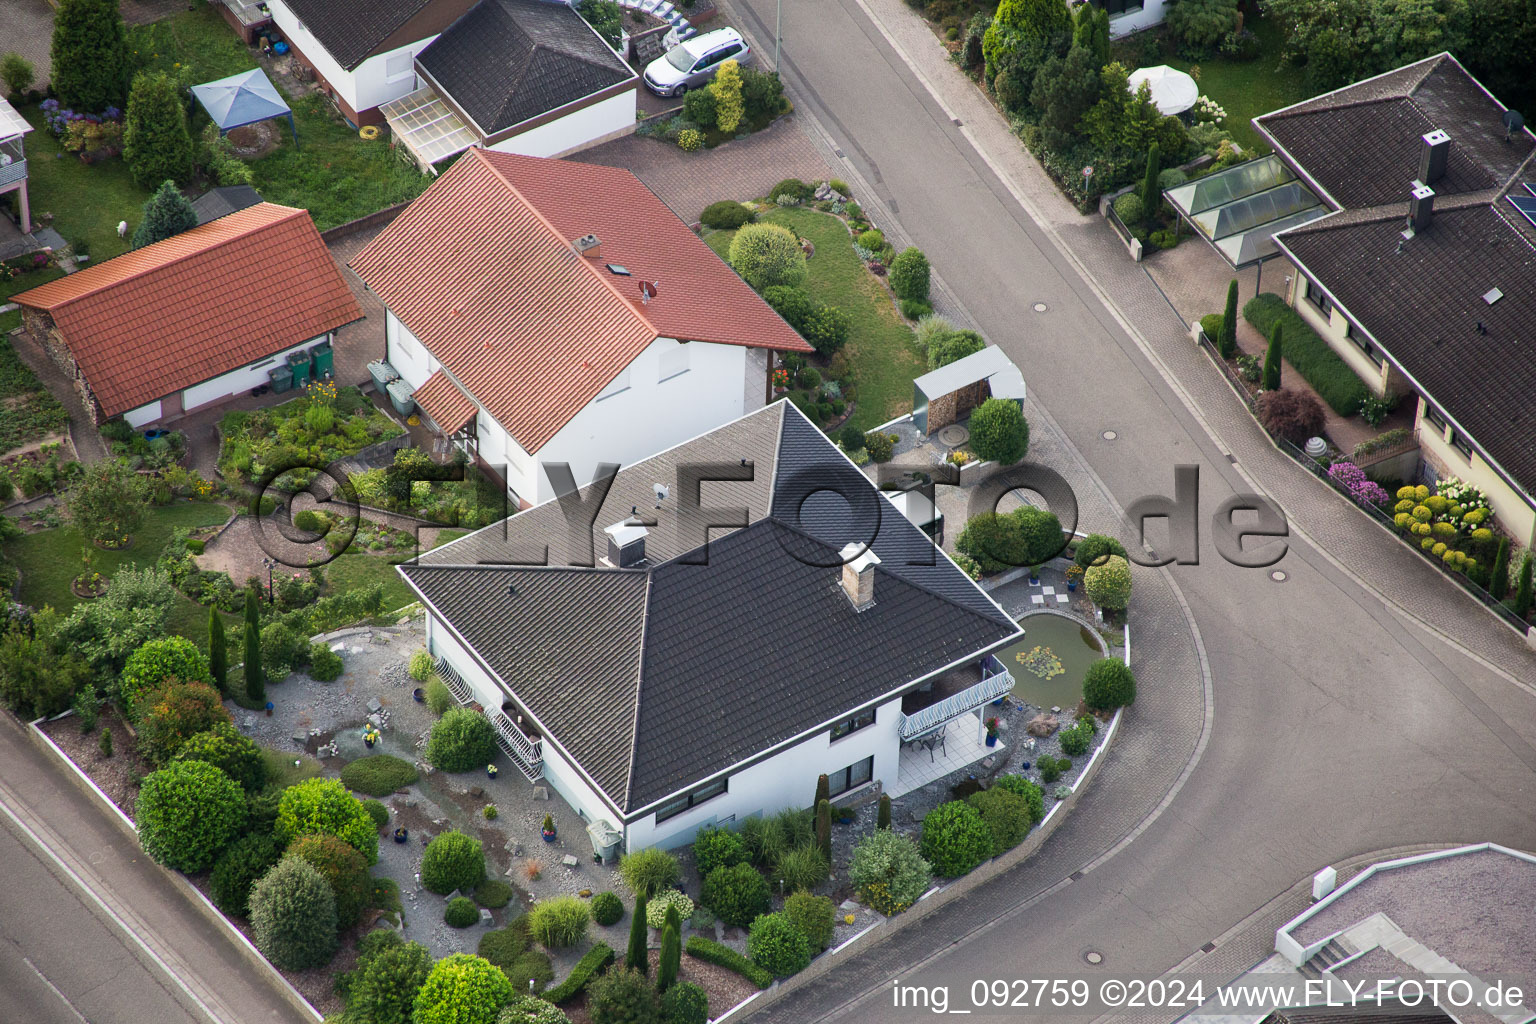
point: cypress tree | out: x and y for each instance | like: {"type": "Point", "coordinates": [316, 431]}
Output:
{"type": "Point", "coordinates": [255, 679]}
{"type": "Point", "coordinates": [823, 790]}
{"type": "Point", "coordinates": [1151, 195]}
{"type": "Point", "coordinates": [671, 950]}
{"type": "Point", "coordinates": [252, 608]}
{"type": "Point", "coordinates": [90, 61]}
{"type": "Point", "coordinates": [883, 819]}
{"type": "Point", "coordinates": [166, 213]}
{"type": "Point", "coordinates": [1523, 595]}
{"type": "Point", "coordinates": [824, 828]}
{"type": "Point", "coordinates": [1498, 580]}
{"type": "Point", "coordinates": [639, 935]}
{"type": "Point", "coordinates": [1226, 341]}
{"type": "Point", "coordinates": [1272, 360]}
{"type": "Point", "coordinates": [156, 141]}
{"type": "Point", "coordinates": [218, 651]}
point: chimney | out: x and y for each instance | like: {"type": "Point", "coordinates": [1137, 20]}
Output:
{"type": "Point", "coordinates": [626, 544]}
{"type": "Point", "coordinates": [590, 247]}
{"type": "Point", "coordinates": [1437, 149]}
{"type": "Point", "coordinates": [859, 574]}
{"type": "Point", "coordinates": [1421, 208]}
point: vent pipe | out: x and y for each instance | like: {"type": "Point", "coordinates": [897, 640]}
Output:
{"type": "Point", "coordinates": [1421, 207]}
{"type": "Point", "coordinates": [1433, 157]}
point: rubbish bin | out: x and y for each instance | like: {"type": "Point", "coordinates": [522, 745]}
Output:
{"type": "Point", "coordinates": [281, 379]}
{"type": "Point", "coordinates": [400, 395]}
{"type": "Point", "coordinates": [321, 359]}
{"type": "Point", "coordinates": [382, 373]}
{"type": "Point", "coordinates": [605, 840]}
{"type": "Point", "coordinates": [298, 362]}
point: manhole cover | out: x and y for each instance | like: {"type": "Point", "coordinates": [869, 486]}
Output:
{"type": "Point", "coordinates": [954, 435]}
{"type": "Point", "coordinates": [1094, 957]}
{"type": "Point", "coordinates": [1040, 307]}
{"type": "Point", "coordinates": [1110, 435]}
{"type": "Point", "coordinates": [1278, 576]}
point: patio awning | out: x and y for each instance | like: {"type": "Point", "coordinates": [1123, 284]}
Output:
{"type": "Point", "coordinates": [243, 99]}
{"type": "Point", "coordinates": [427, 127]}
{"type": "Point", "coordinates": [1239, 210]}
{"type": "Point", "coordinates": [995, 684]}
{"type": "Point", "coordinates": [12, 124]}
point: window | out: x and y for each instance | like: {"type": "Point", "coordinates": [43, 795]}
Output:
{"type": "Point", "coordinates": [1461, 444]}
{"type": "Point", "coordinates": [1433, 416]}
{"type": "Point", "coordinates": [730, 51]}
{"type": "Point", "coordinates": [1117, 7]}
{"type": "Point", "coordinates": [1318, 298]}
{"type": "Point", "coordinates": [618, 384]}
{"type": "Point", "coordinates": [1371, 351]}
{"type": "Point", "coordinates": [854, 724]}
{"type": "Point", "coordinates": [672, 808]}
{"type": "Point", "coordinates": [398, 65]}
{"type": "Point", "coordinates": [854, 775]}
{"type": "Point", "coordinates": [673, 363]}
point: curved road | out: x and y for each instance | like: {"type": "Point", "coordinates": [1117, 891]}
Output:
{"type": "Point", "coordinates": [1341, 724]}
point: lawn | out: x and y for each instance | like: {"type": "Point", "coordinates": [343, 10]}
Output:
{"type": "Point", "coordinates": [30, 412]}
{"type": "Point", "coordinates": [355, 570]}
{"type": "Point", "coordinates": [880, 354]}
{"type": "Point", "coordinates": [335, 175]}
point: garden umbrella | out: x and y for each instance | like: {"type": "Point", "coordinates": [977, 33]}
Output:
{"type": "Point", "coordinates": [243, 99]}
{"type": "Point", "coordinates": [1173, 92]}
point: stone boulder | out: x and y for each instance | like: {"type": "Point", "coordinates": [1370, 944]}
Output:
{"type": "Point", "coordinates": [1043, 725]}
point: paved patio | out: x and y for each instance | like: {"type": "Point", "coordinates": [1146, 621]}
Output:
{"type": "Point", "coordinates": [963, 744]}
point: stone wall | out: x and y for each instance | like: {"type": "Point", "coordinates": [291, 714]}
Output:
{"type": "Point", "coordinates": [39, 323]}
{"type": "Point", "coordinates": [955, 406]}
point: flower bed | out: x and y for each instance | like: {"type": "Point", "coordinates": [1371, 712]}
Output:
{"type": "Point", "coordinates": [301, 436]}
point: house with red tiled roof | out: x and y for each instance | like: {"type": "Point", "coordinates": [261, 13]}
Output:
{"type": "Point", "coordinates": [547, 312]}
{"type": "Point", "coordinates": [194, 319]}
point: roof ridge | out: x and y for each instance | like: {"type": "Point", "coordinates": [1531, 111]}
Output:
{"type": "Point", "coordinates": [566, 243]}
{"type": "Point", "coordinates": [223, 222]}
{"type": "Point", "coordinates": [511, 566]}
{"type": "Point", "coordinates": [634, 721]}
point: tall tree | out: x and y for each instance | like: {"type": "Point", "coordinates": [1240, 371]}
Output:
{"type": "Point", "coordinates": [823, 790]}
{"type": "Point", "coordinates": [156, 141]}
{"type": "Point", "coordinates": [639, 938]}
{"type": "Point", "coordinates": [1498, 579]}
{"type": "Point", "coordinates": [255, 679]}
{"type": "Point", "coordinates": [1272, 359]}
{"type": "Point", "coordinates": [108, 503]}
{"type": "Point", "coordinates": [824, 829]}
{"type": "Point", "coordinates": [166, 213]}
{"type": "Point", "coordinates": [252, 608]}
{"type": "Point", "coordinates": [1226, 340]}
{"type": "Point", "coordinates": [1151, 195]}
{"type": "Point", "coordinates": [89, 57]}
{"type": "Point", "coordinates": [218, 651]}
{"type": "Point", "coordinates": [671, 949]}
{"type": "Point", "coordinates": [1523, 595]}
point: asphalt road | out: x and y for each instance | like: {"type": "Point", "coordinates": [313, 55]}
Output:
{"type": "Point", "coordinates": [1340, 725]}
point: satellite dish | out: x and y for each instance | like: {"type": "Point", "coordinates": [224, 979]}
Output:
{"type": "Point", "coordinates": [661, 493]}
{"type": "Point", "coordinates": [1513, 122]}
{"type": "Point", "coordinates": [647, 291]}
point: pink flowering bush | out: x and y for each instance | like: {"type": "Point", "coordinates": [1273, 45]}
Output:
{"type": "Point", "coordinates": [1352, 478]}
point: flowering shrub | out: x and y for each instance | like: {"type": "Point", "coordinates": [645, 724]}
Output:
{"type": "Point", "coordinates": [58, 119]}
{"type": "Point", "coordinates": [1208, 111]}
{"type": "Point", "coordinates": [656, 907]}
{"type": "Point", "coordinates": [1352, 478]}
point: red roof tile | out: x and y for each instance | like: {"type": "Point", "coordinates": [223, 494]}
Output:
{"type": "Point", "coordinates": [441, 399]}
{"type": "Point", "coordinates": [197, 305]}
{"type": "Point", "coordinates": [482, 269]}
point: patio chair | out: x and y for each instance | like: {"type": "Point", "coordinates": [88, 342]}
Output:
{"type": "Point", "coordinates": [935, 739]}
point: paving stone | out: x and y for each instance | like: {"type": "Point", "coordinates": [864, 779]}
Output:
{"type": "Point", "coordinates": [569, 860]}
{"type": "Point", "coordinates": [374, 705]}
{"type": "Point", "coordinates": [541, 792]}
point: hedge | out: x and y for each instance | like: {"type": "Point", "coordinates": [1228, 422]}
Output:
{"type": "Point", "coordinates": [712, 952]}
{"type": "Point", "coordinates": [1331, 377]}
{"type": "Point", "coordinates": [596, 959]}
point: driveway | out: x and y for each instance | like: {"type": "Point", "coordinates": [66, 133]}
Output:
{"type": "Point", "coordinates": [1358, 703]}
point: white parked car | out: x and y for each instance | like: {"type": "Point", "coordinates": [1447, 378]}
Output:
{"type": "Point", "coordinates": [694, 62]}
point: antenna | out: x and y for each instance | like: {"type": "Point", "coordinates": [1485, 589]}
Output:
{"type": "Point", "coordinates": [647, 290]}
{"type": "Point", "coordinates": [661, 493]}
{"type": "Point", "coordinates": [1513, 122]}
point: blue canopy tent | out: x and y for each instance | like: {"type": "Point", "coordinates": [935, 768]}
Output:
{"type": "Point", "coordinates": [243, 99]}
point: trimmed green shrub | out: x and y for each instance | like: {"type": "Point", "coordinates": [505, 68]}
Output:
{"type": "Point", "coordinates": [607, 909]}
{"type": "Point", "coordinates": [955, 839]}
{"type": "Point", "coordinates": [559, 922]}
{"type": "Point", "coordinates": [954, 346]}
{"type": "Point", "coordinates": [325, 665]}
{"type": "Point", "coordinates": [726, 215]}
{"type": "Point", "coordinates": [623, 996]}
{"type": "Point", "coordinates": [157, 144]}
{"type": "Point", "coordinates": [909, 275]}
{"type": "Point", "coordinates": [1032, 795]}
{"type": "Point", "coordinates": [790, 187]}
{"type": "Point", "coordinates": [237, 869]}
{"type": "Point", "coordinates": [649, 871]}
{"type": "Point", "coordinates": [382, 990]}
{"type": "Point", "coordinates": [814, 916]}
{"type": "Point", "coordinates": [421, 665]}
{"type": "Point", "coordinates": [736, 894]}
{"type": "Point", "coordinates": [324, 807]}
{"type": "Point", "coordinates": [999, 431]}
{"type": "Point", "coordinates": [701, 107]}
{"type": "Point", "coordinates": [594, 960]}
{"type": "Point", "coordinates": [461, 912]}
{"type": "Point", "coordinates": [1051, 768]}
{"type": "Point", "coordinates": [493, 894]}
{"type": "Point", "coordinates": [1109, 585]}
{"type": "Point", "coordinates": [222, 746]}
{"type": "Point", "coordinates": [766, 255]}
{"type": "Point", "coordinates": [712, 952]}
{"type": "Point", "coordinates": [889, 871]}
{"type": "Point", "coordinates": [293, 916]}
{"type": "Point", "coordinates": [1131, 210]}
{"type": "Point", "coordinates": [452, 861]}
{"type": "Point", "coordinates": [803, 867]}
{"type": "Point", "coordinates": [148, 668]}
{"type": "Point", "coordinates": [1094, 547]}
{"type": "Point", "coordinates": [377, 812]}
{"type": "Point", "coordinates": [438, 697]}
{"type": "Point", "coordinates": [1322, 367]}
{"type": "Point", "coordinates": [505, 946]}
{"type": "Point", "coordinates": [187, 813]}
{"type": "Point", "coordinates": [685, 1003]}
{"type": "Point", "coordinates": [881, 446]}
{"type": "Point", "coordinates": [1226, 336]}
{"type": "Point", "coordinates": [173, 714]}
{"type": "Point", "coordinates": [461, 741]}
{"type": "Point", "coordinates": [378, 774]}
{"type": "Point", "coordinates": [1076, 739]}
{"type": "Point", "coordinates": [914, 309]}
{"type": "Point", "coordinates": [872, 240]}
{"type": "Point", "coordinates": [777, 946]}
{"type": "Point", "coordinates": [671, 953]}
{"type": "Point", "coordinates": [462, 989]}
{"type": "Point", "coordinates": [1025, 536]}
{"type": "Point", "coordinates": [524, 1009]}
{"type": "Point", "coordinates": [343, 868]}
{"type": "Point", "coordinates": [1006, 816]}
{"type": "Point", "coordinates": [1109, 684]}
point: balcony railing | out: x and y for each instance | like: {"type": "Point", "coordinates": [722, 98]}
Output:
{"type": "Point", "coordinates": [527, 754]}
{"type": "Point", "coordinates": [16, 169]}
{"type": "Point", "coordinates": [996, 682]}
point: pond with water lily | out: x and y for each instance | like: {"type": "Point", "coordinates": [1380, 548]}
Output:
{"type": "Point", "coordinates": [1049, 662]}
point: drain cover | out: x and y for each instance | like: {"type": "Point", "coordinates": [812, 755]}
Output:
{"type": "Point", "coordinates": [1094, 957]}
{"type": "Point", "coordinates": [953, 435]}
{"type": "Point", "coordinates": [1040, 307]}
{"type": "Point", "coordinates": [1110, 435]}
{"type": "Point", "coordinates": [1278, 576]}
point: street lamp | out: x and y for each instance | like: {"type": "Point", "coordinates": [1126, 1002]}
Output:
{"type": "Point", "coordinates": [778, 23]}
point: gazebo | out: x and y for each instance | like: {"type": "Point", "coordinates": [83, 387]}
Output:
{"type": "Point", "coordinates": [243, 99]}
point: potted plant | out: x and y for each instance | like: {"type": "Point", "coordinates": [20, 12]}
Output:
{"type": "Point", "coordinates": [370, 737]}
{"type": "Point", "coordinates": [402, 834]}
{"type": "Point", "coordinates": [419, 695]}
{"type": "Point", "coordinates": [548, 831]}
{"type": "Point", "coordinates": [1074, 573]}
{"type": "Point", "coordinates": [490, 771]}
{"type": "Point", "coordinates": [1034, 575]}
{"type": "Point", "coordinates": [992, 732]}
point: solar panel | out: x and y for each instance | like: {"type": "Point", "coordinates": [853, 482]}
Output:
{"type": "Point", "coordinates": [1527, 206]}
{"type": "Point", "coordinates": [1531, 187]}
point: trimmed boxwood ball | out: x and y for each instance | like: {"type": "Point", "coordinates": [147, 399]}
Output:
{"type": "Point", "coordinates": [1109, 684]}
{"type": "Point", "coordinates": [720, 847]}
{"type": "Point", "coordinates": [462, 989]}
{"type": "Point", "coordinates": [493, 894]}
{"type": "Point", "coordinates": [737, 894]}
{"type": "Point", "coordinates": [766, 255]}
{"type": "Point", "coordinates": [293, 916]}
{"type": "Point", "coordinates": [378, 774]}
{"type": "Point", "coordinates": [1094, 547]}
{"type": "Point", "coordinates": [685, 1003]}
{"type": "Point", "coordinates": [623, 996]}
{"type": "Point", "coordinates": [148, 668]}
{"type": "Point", "coordinates": [187, 813]}
{"type": "Point", "coordinates": [524, 1009]}
{"type": "Point", "coordinates": [461, 913]}
{"type": "Point", "coordinates": [955, 839]}
{"type": "Point", "coordinates": [452, 861]}
{"type": "Point", "coordinates": [1109, 585]}
{"type": "Point", "coordinates": [226, 749]}
{"type": "Point", "coordinates": [386, 981]}
{"type": "Point", "coordinates": [378, 812]}
{"type": "Point", "coordinates": [789, 187]}
{"type": "Point", "coordinates": [1006, 816]}
{"type": "Point", "coordinates": [324, 807]}
{"type": "Point", "coordinates": [814, 916]}
{"type": "Point", "coordinates": [461, 741]}
{"type": "Point", "coordinates": [343, 868]}
{"type": "Point", "coordinates": [1033, 795]}
{"type": "Point", "coordinates": [607, 909]}
{"type": "Point", "coordinates": [237, 869]}
{"type": "Point", "coordinates": [325, 665]}
{"type": "Point", "coordinates": [909, 275]}
{"type": "Point", "coordinates": [999, 431]}
{"type": "Point", "coordinates": [726, 214]}
{"type": "Point", "coordinates": [777, 946]}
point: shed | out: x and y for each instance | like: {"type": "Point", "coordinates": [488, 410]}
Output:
{"type": "Point", "coordinates": [947, 394]}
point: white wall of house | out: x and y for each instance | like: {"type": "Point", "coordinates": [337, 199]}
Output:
{"type": "Point", "coordinates": [1148, 14]}
{"type": "Point", "coordinates": [587, 126]}
{"type": "Point", "coordinates": [227, 385]}
{"type": "Point", "coordinates": [405, 353]}
{"type": "Point", "coordinates": [567, 781]}
{"type": "Point", "coordinates": [143, 414]}
{"type": "Point", "coordinates": [377, 80]}
{"type": "Point", "coordinates": [787, 779]}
